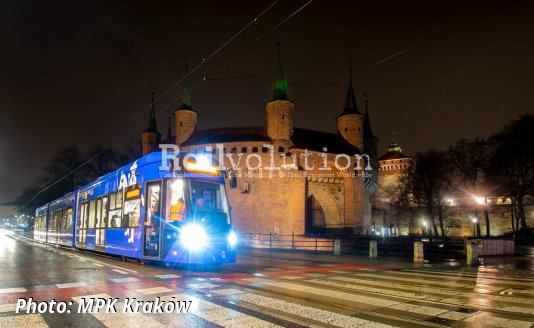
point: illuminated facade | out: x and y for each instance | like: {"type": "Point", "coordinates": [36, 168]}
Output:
{"type": "Point", "coordinates": [298, 201]}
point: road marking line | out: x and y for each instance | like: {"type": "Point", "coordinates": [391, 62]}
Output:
{"type": "Point", "coordinates": [28, 320]}
{"type": "Point", "coordinates": [155, 290]}
{"type": "Point", "coordinates": [167, 276]}
{"type": "Point", "coordinates": [129, 279]}
{"type": "Point", "coordinates": [221, 315]}
{"type": "Point", "coordinates": [13, 290]}
{"type": "Point", "coordinates": [119, 271]}
{"type": "Point", "coordinates": [308, 312]}
{"type": "Point", "coordinates": [72, 284]}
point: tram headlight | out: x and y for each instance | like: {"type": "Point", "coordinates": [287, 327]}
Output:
{"type": "Point", "coordinates": [193, 237]}
{"type": "Point", "coordinates": [232, 238]}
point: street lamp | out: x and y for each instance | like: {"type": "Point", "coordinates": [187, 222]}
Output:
{"type": "Point", "coordinates": [424, 227]}
{"type": "Point", "coordinates": [475, 221]}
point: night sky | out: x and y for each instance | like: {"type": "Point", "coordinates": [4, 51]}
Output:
{"type": "Point", "coordinates": [79, 71]}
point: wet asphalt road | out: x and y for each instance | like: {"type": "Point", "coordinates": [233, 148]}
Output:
{"type": "Point", "coordinates": [268, 289]}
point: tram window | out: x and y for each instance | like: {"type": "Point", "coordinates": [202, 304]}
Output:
{"type": "Point", "coordinates": [92, 210]}
{"type": "Point", "coordinates": [132, 207]}
{"type": "Point", "coordinates": [98, 217]}
{"type": "Point", "coordinates": [69, 218]}
{"type": "Point", "coordinates": [61, 220]}
{"type": "Point", "coordinates": [104, 215]}
{"type": "Point", "coordinates": [52, 226]}
{"type": "Point", "coordinates": [115, 211]}
{"type": "Point", "coordinates": [176, 207]}
{"type": "Point", "coordinates": [83, 216]}
{"type": "Point", "coordinates": [153, 201]}
{"type": "Point", "coordinates": [207, 196]}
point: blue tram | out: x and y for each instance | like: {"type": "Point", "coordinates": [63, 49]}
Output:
{"type": "Point", "coordinates": [146, 213]}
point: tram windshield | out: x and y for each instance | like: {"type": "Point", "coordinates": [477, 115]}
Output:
{"type": "Point", "coordinates": [206, 201]}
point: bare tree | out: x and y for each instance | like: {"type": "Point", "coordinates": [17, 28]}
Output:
{"type": "Point", "coordinates": [511, 166]}
{"type": "Point", "coordinates": [433, 179]}
{"type": "Point", "coordinates": [469, 158]}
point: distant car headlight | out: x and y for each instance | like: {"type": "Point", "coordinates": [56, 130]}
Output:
{"type": "Point", "coordinates": [232, 238]}
{"type": "Point", "coordinates": [193, 237]}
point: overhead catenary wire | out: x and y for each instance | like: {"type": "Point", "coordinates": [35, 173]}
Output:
{"type": "Point", "coordinates": [254, 21]}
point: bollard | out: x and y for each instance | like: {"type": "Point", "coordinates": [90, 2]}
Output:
{"type": "Point", "coordinates": [337, 247]}
{"type": "Point", "coordinates": [472, 253]}
{"type": "Point", "coordinates": [418, 252]}
{"type": "Point", "coordinates": [372, 249]}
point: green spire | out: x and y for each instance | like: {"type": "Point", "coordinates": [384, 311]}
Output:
{"type": "Point", "coordinates": [186, 95]}
{"type": "Point", "coordinates": [152, 125]}
{"type": "Point", "coordinates": [394, 147]}
{"type": "Point", "coordinates": [169, 133]}
{"type": "Point", "coordinates": [367, 131]}
{"type": "Point", "coordinates": [350, 101]}
{"type": "Point", "coordinates": [281, 86]}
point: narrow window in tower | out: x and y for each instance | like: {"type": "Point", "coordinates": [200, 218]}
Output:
{"type": "Point", "coordinates": [181, 123]}
{"type": "Point", "coordinates": [283, 116]}
{"type": "Point", "coordinates": [280, 149]}
{"type": "Point", "coordinates": [264, 149]}
{"type": "Point", "coordinates": [244, 150]}
{"type": "Point", "coordinates": [234, 150]}
{"type": "Point", "coordinates": [254, 149]}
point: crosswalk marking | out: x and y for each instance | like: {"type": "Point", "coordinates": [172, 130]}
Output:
{"type": "Point", "coordinates": [444, 296]}
{"type": "Point", "coordinates": [29, 320]}
{"type": "Point", "coordinates": [221, 315]}
{"type": "Point", "coordinates": [201, 285]}
{"type": "Point", "coordinates": [292, 277]}
{"type": "Point", "coordinates": [335, 294]}
{"type": "Point", "coordinates": [155, 290]}
{"type": "Point", "coordinates": [167, 276]}
{"type": "Point", "coordinates": [7, 307]}
{"type": "Point", "coordinates": [72, 284]}
{"type": "Point", "coordinates": [315, 314]}
{"type": "Point", "coordinates": [119, 319]}
{"type": "Point", "coordinates": [418, 309]}
{"type": "Point", "coordinates": [119, 271]}
{"type": "Point", "coordinates": [128, 279]}
{"type": "Point", "coordinates": [228, 292]}
{"type": "Point", "coordinates": [471, 279]}
{"type": "Point", "coordinates": [12, 290]}
{"type": "Point", "coordinates": [488, 320]}
{"type": "Point", "coordinates": [367, 288]}
{"type": "Point", "coordinates": [256, 280]}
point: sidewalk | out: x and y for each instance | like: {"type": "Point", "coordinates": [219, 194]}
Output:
{"type": "Point", "coordinates": [508, 263]}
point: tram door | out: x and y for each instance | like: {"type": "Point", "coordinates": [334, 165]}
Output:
{"type": "Point", "coordinates": [152, 225]}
